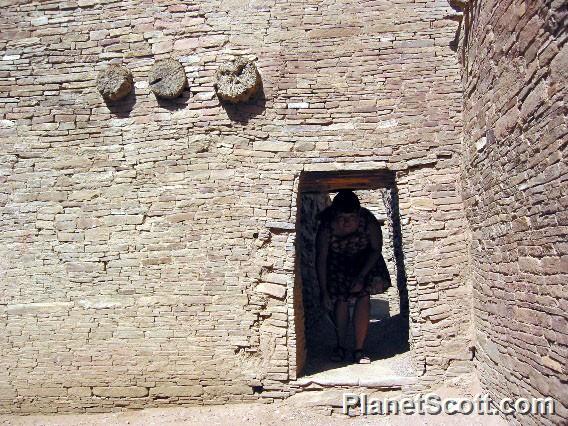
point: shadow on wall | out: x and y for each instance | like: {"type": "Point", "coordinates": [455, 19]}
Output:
{"type": "Point", "coordinates": [243, 112]}
{"type": "Point", "coordinates": [176, 103]}
{"type": "Point", "coordinates": [390, 199]}
{"type": "Point", "coordinates": [123, 107]}
{"type": "Point", "coordinates": [314, 313]}
{"type": "Point", "coordinates": [240, 113]}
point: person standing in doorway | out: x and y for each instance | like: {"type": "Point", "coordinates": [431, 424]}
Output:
{"type": "Point", "coordinates": [350, 267]}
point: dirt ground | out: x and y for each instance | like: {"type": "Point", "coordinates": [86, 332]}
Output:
{"type": "Point", "coordinates": [242, 414]}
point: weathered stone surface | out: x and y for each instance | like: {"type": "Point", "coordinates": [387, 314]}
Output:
{"type": "Point", "coordinates": [133, 241]}
{"type": "Point", "coordinates": [37, 308]}
{"type": "Point", "coordinates": [121, 391]}
{"type": "Point", "coordinates": [176, 391]}
{"type": "Point", "coordinates": [514, 167]}
{"type": "Point", "coordinates": [274, 290]}
{"type": "Point", "coordinates": [229, 389]}
{"type": "Point", "coordinates": [167, 78]}
{"type": "Point", "coordinates": [237, 81]}
{"type": "Point", "coordinates": [79, 391]}
{"type": "Point", "coordinates": [114, 82]}
{"type": "Point", "coordinates": [272, 146]}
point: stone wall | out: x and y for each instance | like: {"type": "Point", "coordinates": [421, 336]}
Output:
{"type": "Point", "coordinates": [515, 62]}
{"type": "Point", "coordinates": [376, 201]}
{"type": "Point", "coordinates": [311, 205]}
{"type": "Point", "coordinates": [147, 248]}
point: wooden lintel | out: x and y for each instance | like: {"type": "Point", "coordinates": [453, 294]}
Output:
{"type": "Point", "coordinates": [347, 179]}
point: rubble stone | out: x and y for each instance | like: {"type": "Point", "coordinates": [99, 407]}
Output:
{"type": "Point", "coordinates": [237, 81]}
{"type": "Point", "coordinates": [114, 82]}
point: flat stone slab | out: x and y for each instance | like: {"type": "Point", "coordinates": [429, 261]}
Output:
{"type": "Point", "coordinates": [324, 398]}
{"type": "Point", "coordinates": [392, 372]}
{"type": "Point", "coordinates": [382, 382]}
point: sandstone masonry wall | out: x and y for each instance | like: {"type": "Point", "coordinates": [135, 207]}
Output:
{"type": "Point", "coordinates": [147, 248]}
{"type": "Point", "coordinates": [515, 62]}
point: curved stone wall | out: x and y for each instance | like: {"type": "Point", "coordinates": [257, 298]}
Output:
{"type": "Point", "coordinates": [515, 59]}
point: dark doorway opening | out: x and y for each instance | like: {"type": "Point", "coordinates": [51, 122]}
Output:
{"type": "Point", "coordinates": [388, 338]}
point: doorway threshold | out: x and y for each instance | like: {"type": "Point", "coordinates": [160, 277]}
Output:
{"type": "Point", "coordinates": [390, 373]}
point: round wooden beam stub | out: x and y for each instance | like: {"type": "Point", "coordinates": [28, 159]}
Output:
{"type": "Point", "coordinates": [237, 81]}
{"type": "Point", "coordinates": [114, 82]}
{"type": "Point", "coordinates": [167, 79]}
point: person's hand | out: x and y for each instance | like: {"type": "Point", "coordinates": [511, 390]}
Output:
{"type": "Point", "coordinates": [378, 286]}
{"type": "Point", "coordinates": [326, 302]}
{"type": "Point", "coordinates": [357, 285]}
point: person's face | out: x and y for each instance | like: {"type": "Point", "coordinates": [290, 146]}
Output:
{"type": "Point", "coordinates": [347, 222]}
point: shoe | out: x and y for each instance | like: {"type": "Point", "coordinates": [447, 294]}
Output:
{"type": "Point", "coordinates": [360, 357]}
{"type": "Point", "coordinates": [338, 354]}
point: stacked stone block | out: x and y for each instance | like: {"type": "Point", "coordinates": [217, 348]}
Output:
{"type": "Point", "coordinates": [514, 58]}
{"type": "Point", "coordinates": [147, 250]}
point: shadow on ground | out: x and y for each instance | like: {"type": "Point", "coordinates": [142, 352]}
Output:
{"type": "Point", "coordinates": [387, 338]}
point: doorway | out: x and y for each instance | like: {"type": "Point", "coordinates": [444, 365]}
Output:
{"type": "Point", "coordinates": [388, 338]}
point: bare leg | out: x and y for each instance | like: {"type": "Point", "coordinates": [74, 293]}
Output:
{"type": "Point", "coordinates": [361, 320]}
{"type": "Point", "coordinates": [341, 320]}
